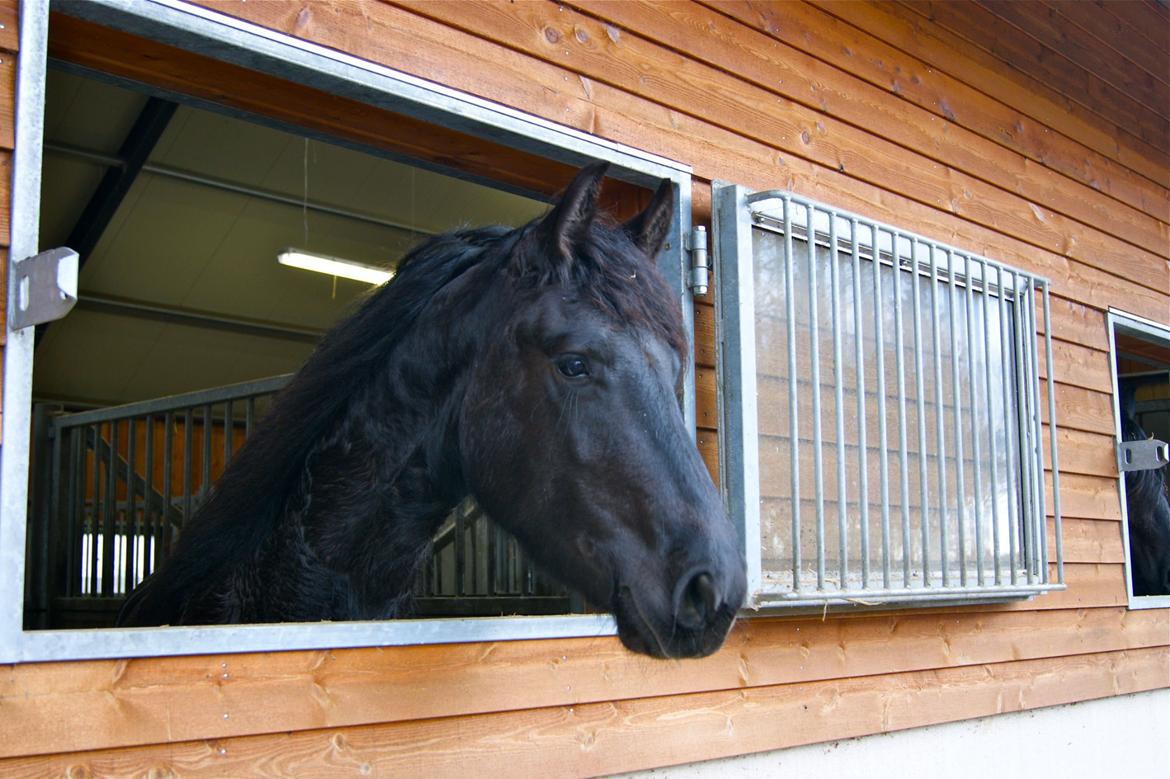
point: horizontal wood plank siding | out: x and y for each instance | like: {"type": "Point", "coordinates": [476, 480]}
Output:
{"type": "Point", "coordinates": [963, 123]}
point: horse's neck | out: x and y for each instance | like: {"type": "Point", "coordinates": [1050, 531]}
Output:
{"type": "Point", "coordinates": [372, 495]}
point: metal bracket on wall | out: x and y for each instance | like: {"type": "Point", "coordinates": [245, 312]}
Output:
{"type": "Point", "coordinates": [696, 244]}
{"type": "Point", "coordinates": [45, 288]}
{"type": "Point", "coordinates": [1142, 455]}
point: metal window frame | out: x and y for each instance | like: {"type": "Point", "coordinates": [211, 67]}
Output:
{"type": "Point", "coordinates": [225, 38]}
{"type": "Point", "coordinates": [732, 216]}
{"type": "Point", "coordinates": [1119, 320]}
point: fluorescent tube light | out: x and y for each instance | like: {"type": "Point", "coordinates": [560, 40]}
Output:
{"type": "Point", "coordinates": [332, 266]}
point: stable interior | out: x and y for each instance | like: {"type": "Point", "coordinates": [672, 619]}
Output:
{"type": "Point", "coordinates": [179, 210]}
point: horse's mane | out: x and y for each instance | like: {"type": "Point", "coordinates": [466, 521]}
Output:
{"type": "Point", "coordinates": [246, 504]}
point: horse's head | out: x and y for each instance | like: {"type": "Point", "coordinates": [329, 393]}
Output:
{"type": "Point", "coordinates": [571, 434]}
{"type": "Point", "coordinates": [1148, 510]}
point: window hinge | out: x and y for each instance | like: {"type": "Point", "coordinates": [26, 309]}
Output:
{"type": "Point", "coordinates": [697, 245]}
{"type": "Point", "coordinates": [1142, 455]}
{"type": "Point", "coordinates": [45, 288]}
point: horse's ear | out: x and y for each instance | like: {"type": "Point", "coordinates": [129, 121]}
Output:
{"type": "Point", "coordinates": [570, 218]}
{"type": "Point", "coordinates": [648, 229]}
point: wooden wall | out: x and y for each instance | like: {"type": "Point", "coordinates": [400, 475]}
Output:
{"type": "Point", "coordinates": [1035, 133]}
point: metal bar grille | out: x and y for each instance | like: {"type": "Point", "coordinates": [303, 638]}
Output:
{"type": "Point", "coordinates": [928, 450]}
{"type": "Point", "coordinates": [129, 476]}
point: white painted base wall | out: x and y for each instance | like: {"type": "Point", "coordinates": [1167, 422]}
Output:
{"type": "Point", "coordinates": [1128, 735]}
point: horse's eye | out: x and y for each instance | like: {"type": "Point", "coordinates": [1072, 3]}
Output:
{"type": "Point", "coordinates": [572, 366]}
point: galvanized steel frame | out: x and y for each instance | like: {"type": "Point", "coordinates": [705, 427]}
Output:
{"type": "Point", "coordinates": [733, 212]}
{"type": "Point", "coordinates": [222, 37]}
{"type": "Point", "coordinates": [1116, 320]}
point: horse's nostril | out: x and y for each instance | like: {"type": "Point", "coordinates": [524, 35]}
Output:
{"type": "Point", "coordinates": [697, 602]}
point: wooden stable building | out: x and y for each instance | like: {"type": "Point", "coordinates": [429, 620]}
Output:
{"type": "Point", "coordinates": [1011, 158]}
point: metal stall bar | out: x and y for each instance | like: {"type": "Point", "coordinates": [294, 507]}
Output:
{"type": "Point", "coordinates": [900, 367]}
{"type": "Point", "coordinates": [920, 392]}
{"type": "Point", "coordinates": [859, 357]}
{"type": "Point", "coordinates": [229, 433]}
{"type": "Point", "coordinates": [956, 398]}
{"type": "Point", "coordinates": [163, 530]}
{"type": "Point", "coordinates": [993, 455]}
{"type": "Point", "coordinates": [1028, 506]}
{"type": "Point", "coordinates": [1059, 543]}
{"type": "Point", "coordinates": [149, 512]}
{"type": "Point", "coordinates": [972, 384]}
{"type": "Point", "coordinates": [75, 511]}
{"type": "Point", "coordinates": [839, 403]}
{"type": "Point", "coordinates": [1011, 436]}
{"type": "Point", "coordinates": [188, 453]}
{"type": "Point", "coordinates": [205, 474]}
{"type": "Point", "coordinates": [814, 340]}
{"type": "Point", "coordinates": [883, 438]}
{"type": "Point", "coordinates": [940, 415]}
{"type": "Point", "coordinates": [110, 525]}
{"type": "Point", "coordinates": [130, 524]}
{"type": "Point", "coordinates": [94, 503]}
{"type": "Point", "coordinates": [1038, 436]}
{"type": "Point", "coordinates": [793, 384]}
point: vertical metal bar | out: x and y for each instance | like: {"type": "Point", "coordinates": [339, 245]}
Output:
{"type": "Point", "coordinates": [1052, 439]}
{"type": "Point", "coordinates": [73, 473]}
{"type": "Point", "coordinates": [977, 472]}
{"type": "Point", "coordinates": [205, 475]}
{"type": "Point", "coordinates": [839, 403]}
{"type": "Point", "coordinates": [900, 360]}
{"type": "Point", "coordinates": [162, 541]}
{"type": "Point", "coordinates": [920, 392]}
{"type": "Point", "coordinates": [793, 384]}
{"type": "Point", "coordinates": [149, 514]}
{"type": "Point", "coordinates": [1011, 423]}
{"type": "Point", "coordinates": [814, 341]}
{"type": "Point", "coordinates": [110, 526]}
{"type": "Point", "coordinates": [131, 509]}
{"type": "Point", "coordinates": [862, 443]}
{"type": "Point", "coordinates": [883, 453]}
{"type": "Point", "coordinates": [1023, 398]}
{"type": "Point", "coordinates": [1038, 428]}
{"type": "Point", "coordinates": [491, 559]}
{"type": "Point", "coordinates": [76, 508]}
{"type": "Point", "coordinates": [460, 548]}
{"type": "Point", "coordinates": [229, 427]}
{"type": "Point", "coordinates": [956, 399]}
{"type": "Point", "coordinates": [940, 416]}
{"type": "Point", "coordinates": [249, 416]}
{"type": "Point", "coordinates": [95, 510]}
{"type": "Point", "coordinates": [58, 525]}
{"type": "Point", "coordinates": [993, 455]}
{"type": "Point", "coordinates": [188, 453]}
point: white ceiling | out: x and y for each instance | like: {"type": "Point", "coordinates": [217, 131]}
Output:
{"type": "Point", "coordinates": [193, 247]}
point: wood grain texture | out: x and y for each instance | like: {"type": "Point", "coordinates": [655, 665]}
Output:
{"type": "Point", "coordinates": [826, 136]}
{"type": "Point", "coordinates": [1079, 49]}
{"type": "Point", "coordinates": [599, 738]}
{"type": "Point", "coordinates": [106, 704]}
{"type": "Point", "coordinates": [940, 48]}
{"type": "Point", "coordinates": [1132, 47]}
{"type": "Point", "coordinates": [1035, 62]}
{"type": "Point", "coordinates": [767, 62]}
{"type": "Point", "coordinates": [861, 52]}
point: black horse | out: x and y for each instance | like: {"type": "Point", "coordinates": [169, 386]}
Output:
{"type": "Point", "coordinates": [1149, 513]}
{"type": "Point", "coordinates": [534, 369]}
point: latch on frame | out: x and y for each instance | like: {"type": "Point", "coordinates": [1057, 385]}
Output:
{"type": "Point", "coordinates": [697, 245]}
{"type": "Point", "coordinates": [1142, 455]}
{"type": "Point", "coordinates": [45, 288]}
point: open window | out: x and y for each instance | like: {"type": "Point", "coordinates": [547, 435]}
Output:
{"type": "Point", "coordinates": [1140, 352]}
{"type": "Point", "coordinates": [881, 414]}
{"type": "Point", "coordinates": [181, 185]}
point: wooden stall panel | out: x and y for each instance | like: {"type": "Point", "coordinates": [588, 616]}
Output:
{"type": "Point", "coordinates": [601, 738]}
